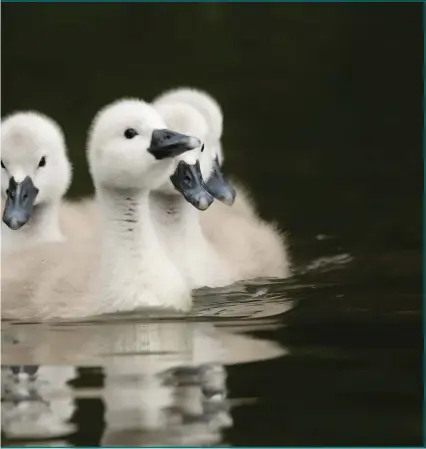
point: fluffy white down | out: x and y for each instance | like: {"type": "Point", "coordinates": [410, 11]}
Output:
{"type": "Point", "coordinates": [207, 106]}
{"type": "Point", "coordinates": [178, 221]}
{"type": "Point", "coordinates": [251, 246]}
{"type": "Point", "coordinates": [223, 244]}
{"type": "Point", "coordinates": [129, 269]}
{"type": "Point", "coordinates": [26, 138]}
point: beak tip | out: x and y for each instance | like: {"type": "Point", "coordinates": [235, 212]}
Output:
{"type": "Point", "coordinates": [14, 224]}
{"type": "Point", "coordinates": [229, 196]}
{"type": "Point", "coordinates": [204, 203]}
{"type": "Point", "coordinates": [226, 196]}
{"type": "Point", "coordinates": [229, 201]}
{"type": "Point", "coordinates": [193, 142]}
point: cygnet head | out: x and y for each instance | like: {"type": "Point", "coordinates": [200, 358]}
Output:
{"type": "Point", "coordinates": [205, 104]}
{"type": "Point", "coordinates": [130, 149]}
{"type": "Point", "coordinates": [189, 175]}
{"type": "Point", "coordinates": [209, 108]}
{"type": "Point", "coordinates": [35, 170]}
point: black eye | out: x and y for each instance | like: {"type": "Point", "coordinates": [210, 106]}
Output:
{"type": "Point", "coordinates": [202, 148]}
{"type": "Point", "coordinates": [2, 165]}
{"type": "Point", "coordinates": [42, 162]}
{"type": "Point", "coordinates": [130, 133]}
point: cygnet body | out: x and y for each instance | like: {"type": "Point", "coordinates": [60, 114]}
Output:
{"type": "Point", "coordinates": [35, 175]}
{"type": "Point", "coordinates": [177, 218]}
{"type": "Point", "coordinates": [223, 244]}
{"type": "Point", "coordinates": [253, 247]}
{"type": "Point", "coordinates": [129, 153]}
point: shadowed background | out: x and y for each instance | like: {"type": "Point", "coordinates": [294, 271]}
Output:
{"type": "Point", "coordinates": [322, 102]}
{"type": "Point", "coordinates": [323, 122]}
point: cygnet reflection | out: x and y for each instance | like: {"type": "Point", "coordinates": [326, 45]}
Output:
{"type": "Point", "coordinates": [36, 401]}
{"type": "Point", "coordinates": [164, 383]}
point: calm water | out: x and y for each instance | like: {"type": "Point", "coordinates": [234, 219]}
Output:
{"type": "Point", "coordinates": [323, 121]}
{"type": "Point", "coordinates": [332, 356]}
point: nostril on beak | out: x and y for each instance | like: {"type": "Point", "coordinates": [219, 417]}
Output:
{"type": "Point", "coordinates": [166, 136]}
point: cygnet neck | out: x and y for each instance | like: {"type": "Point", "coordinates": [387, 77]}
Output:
{"type": "Point", "coordinates": [134, 268]}
{"type": "Point", "coordinates": [175, 214]}
{"type": "Point", "coordinates": [128, 238]}
{"type": "Point", "coordinates": [125, 218]}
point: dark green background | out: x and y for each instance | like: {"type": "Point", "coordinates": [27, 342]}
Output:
{"type": "Point", "coordinates": [322, 102]}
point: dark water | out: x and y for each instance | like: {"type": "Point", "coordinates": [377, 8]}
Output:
{"type": "Point", "coordinates": [329, 357]}
{"type": "Point", "coordinates": [323, 108]}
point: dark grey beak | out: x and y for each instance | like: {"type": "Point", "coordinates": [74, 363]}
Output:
{"type": "Point", "coordinates": [219, 187]}
{"type": "Point", "coordinates": [166, 143]}
{"type": "Point", "coordinates": [20, 202]}
{"type": "Point", "coordinates": [188, 180]}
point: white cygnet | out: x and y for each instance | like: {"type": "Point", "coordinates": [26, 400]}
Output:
{"type": "Point", "coordinates": [130, 153]}
{"type": "Point", "coordinates": [35, 175]}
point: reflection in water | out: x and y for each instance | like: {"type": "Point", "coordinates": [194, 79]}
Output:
{"type": "Point", "coordinates": [164, 382]}
{"type": "Point", "coordinates": [351, 372]}
{"type": "Point", "coordinates": [36, 401]}
{"type": "Point", "coordinates": [169, 408]}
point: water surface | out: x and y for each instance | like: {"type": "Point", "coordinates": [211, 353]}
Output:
{"type": "Point", "coordinates": [331, 356]}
